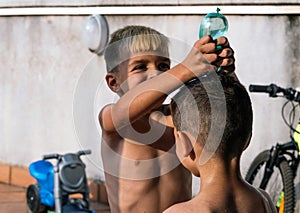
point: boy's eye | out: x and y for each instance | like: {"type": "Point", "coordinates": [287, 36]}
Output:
{"type": "Point", "coordinates": [163, 67]}
{"type": "Point", "coordinates": [140, 67]}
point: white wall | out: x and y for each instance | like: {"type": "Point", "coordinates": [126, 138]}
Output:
{"type": "Point", "coordinates": [51, 86]}
{"type": "Point", "coordinates": [17, 3]}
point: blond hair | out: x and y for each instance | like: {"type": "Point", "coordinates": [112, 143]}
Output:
{"type": "Point", "coordinates": [134, 39]}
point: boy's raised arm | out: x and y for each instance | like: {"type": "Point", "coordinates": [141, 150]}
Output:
{"type": "Point", "coordinates": [150, 94]}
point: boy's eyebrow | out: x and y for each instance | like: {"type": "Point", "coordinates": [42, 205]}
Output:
{"type": "Point", "coordinates": [137, 62]}
{"type": "Point", "coordinates": [145, 60]}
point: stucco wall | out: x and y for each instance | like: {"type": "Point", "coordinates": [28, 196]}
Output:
{"type": "Point", "coordinates": [18, 3]}
{"type": "Point", "coordinates": [51, 86]}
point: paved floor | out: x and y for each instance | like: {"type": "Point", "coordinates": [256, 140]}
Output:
{"type": "Point", "coordinates": [13, 200]}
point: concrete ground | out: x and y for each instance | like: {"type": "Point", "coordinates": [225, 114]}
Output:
{"type": "Point", "coordinates": [13, 200]}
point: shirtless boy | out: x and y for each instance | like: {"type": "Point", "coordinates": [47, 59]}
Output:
{"type": "Point", "coordinates": [222, 187]}
{"type": "Point", "coordinates": [142, 171]}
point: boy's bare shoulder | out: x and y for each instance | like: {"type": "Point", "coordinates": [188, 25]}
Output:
{"type": "Point", "coordinates": [104, 117]}
{"type": "Point", "coordinates": [189, 207]}
{"type": "Point", "coordinates": [180, 207]}
{"type": "Point", "coordinates": [103, 109]}
{"type": "Point", "coordinates": [268, 202]}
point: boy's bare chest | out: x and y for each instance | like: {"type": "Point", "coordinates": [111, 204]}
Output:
{"type": "Point", "coordinates": [151, 194]}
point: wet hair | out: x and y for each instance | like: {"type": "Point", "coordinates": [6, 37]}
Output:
{"type": "Point", "coordinates": [232, 105]}
{"type": "Point", "coordinates": [133, 39]}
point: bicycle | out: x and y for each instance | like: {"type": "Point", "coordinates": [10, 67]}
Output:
{"type": "Point", "coordinates": [282, 160]}
{"type": "Point", "coordinates": [55, 184]}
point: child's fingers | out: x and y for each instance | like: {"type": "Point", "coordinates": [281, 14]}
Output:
{"type": "Point", "coordinates": [205, 45]}
{"type": "Point", "coordinates": [228, 69]}
{"type": "Point", "coordinates": [207, 48]}
{"type": "Point", "coordinates": [222, 41]}
{"type": "Point", "coordinates": [226, 58]}
{"type": "Point", "coordinates": [227, 52]}
{"type": "Point", "coordinates": [211, 58]}
{"type": "Point", "coordinates": [224, 62]}
{"type": "Point", "coordinates": [204, 40]}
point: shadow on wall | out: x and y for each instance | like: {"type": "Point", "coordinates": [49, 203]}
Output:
{"type": "Point", "coordinates": [293, 48]}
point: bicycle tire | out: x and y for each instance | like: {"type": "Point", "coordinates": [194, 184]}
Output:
{"type": "Point", "coordinates": [286, 174]}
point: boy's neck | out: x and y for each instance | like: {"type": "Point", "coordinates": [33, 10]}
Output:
{"type": "Point", "coordinates": [220, 172]}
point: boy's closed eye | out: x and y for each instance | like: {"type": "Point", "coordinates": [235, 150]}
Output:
{"type": "Point", "coordinates": [163, 66]}
{"type": "Point", "coordinates": [139, 67]}
{"type": "Point", "coordinates": [143, 67]}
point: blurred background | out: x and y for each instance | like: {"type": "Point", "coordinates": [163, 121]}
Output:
{"type": "Point", "coordinates": [52, 87]}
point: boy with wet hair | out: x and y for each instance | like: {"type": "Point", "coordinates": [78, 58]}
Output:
{"type": "Point", "coordinates": [142, 171]}
{"type": "Point", "coordinates": [199, 110]}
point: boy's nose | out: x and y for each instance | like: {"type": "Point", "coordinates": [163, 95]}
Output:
{"type": "Point", "coordinates": [153, 73]}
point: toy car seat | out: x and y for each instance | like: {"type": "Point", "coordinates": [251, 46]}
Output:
{"type": "Point", "coordinates": [41, 194]}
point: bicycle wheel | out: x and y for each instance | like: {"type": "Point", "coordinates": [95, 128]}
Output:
{"type": "Point", "coordinates": [281, 181]}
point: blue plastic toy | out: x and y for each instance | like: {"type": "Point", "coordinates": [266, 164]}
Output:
{"type": "Point", "coordinates": [55, 183]}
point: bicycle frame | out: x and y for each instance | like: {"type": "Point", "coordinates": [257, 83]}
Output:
{"type": "Point", "coordinates": [296, 135]}
{"type": "Point", "coordinates": [289, 151]}
{"type": "Point", "coordinates": [284, 156]}
{"type": "Point", "coordinates": [296, 140]}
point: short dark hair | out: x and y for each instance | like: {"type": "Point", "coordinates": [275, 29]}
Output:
{"type": "Point", "coordinates": [233, 101]}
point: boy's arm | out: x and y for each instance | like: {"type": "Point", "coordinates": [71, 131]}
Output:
{"type": "Point", "coordinates": [146, 96]}
{"type": "Point", "coordinates": [150, 94]}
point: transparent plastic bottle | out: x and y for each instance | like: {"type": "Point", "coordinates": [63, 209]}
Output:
{"type": "Point", "coordinates": [214, 24]}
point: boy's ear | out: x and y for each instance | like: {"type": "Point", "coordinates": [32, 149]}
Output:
{"type": "Point", "coordinates": [112, 82]}
{"type": "Point", "coordinates": [187, 144]}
